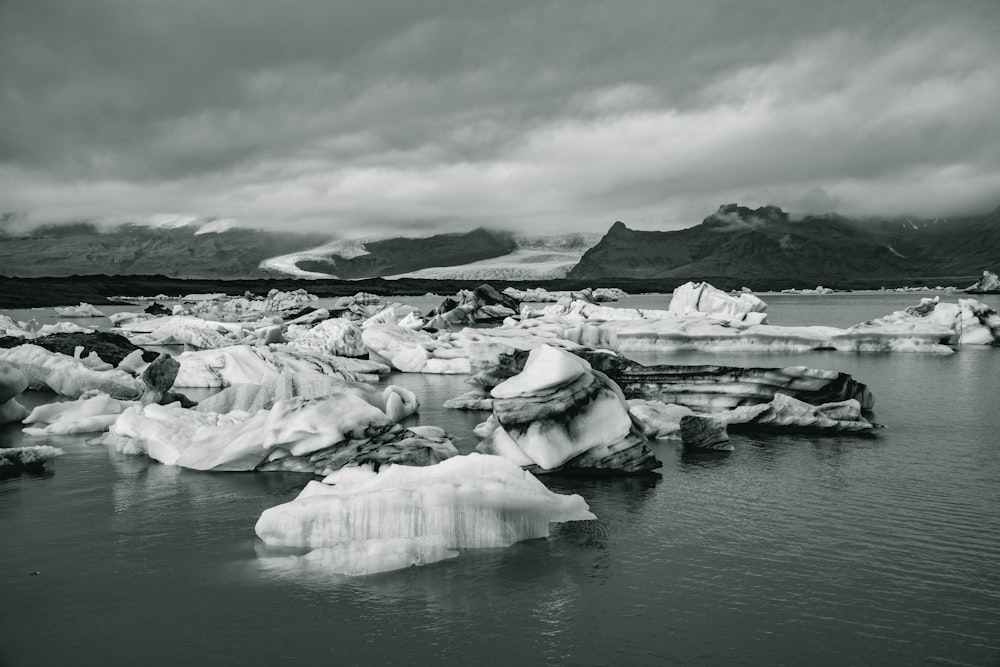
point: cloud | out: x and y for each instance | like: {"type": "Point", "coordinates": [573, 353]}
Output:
{"type": "Point", "coordinates": [379, 118]}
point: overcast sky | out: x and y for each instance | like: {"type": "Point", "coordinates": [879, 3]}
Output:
{"type": "Point", "coordinates": [396, 117]}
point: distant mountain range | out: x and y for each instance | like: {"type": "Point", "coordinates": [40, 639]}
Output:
{"type": "Point", "coordinates": [187, 251]}
{"type": "Point", "coordinates": [746, 244]}
{"type": "Point", "coordinates": [760, 247]}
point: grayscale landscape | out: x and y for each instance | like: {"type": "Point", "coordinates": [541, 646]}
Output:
{"type": "Point", "coordinates": [524, 333]}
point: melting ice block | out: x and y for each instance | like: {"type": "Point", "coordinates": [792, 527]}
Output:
{"type": "Point", "coordinates": [559, 413]}
{"type": "Point", "coordinates": [83, 310]}
{"type": "Point", "coordinates": [68, 376]}
{"type": "Point", "coordinates": [404, 515]}
{"type": "Point", "coordinates": [318, 436]}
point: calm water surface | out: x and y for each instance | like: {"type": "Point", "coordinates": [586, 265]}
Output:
{"type": "Point", "coordinates": [831, 551]}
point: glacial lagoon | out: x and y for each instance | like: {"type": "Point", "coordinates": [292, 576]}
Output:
{"type": "Point", "coordinates": [829, 550]}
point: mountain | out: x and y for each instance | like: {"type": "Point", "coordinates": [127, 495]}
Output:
{"type": "Point", "coordinates": [184, 251]}
{"type": "Point", "coordinates": [765, 244]}
{"type": "Point", "coordinates": [219, 252]}
{"type": "Point", "coordinates": [351, 260]}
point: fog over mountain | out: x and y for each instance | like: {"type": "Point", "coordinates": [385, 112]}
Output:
{"type": "Point", "coordinates": [382, 119]}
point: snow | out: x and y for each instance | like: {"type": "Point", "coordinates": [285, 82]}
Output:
{"type": "Point", "coordinates": [404, 515]}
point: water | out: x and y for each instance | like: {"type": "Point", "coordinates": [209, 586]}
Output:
{"type": "Point", "coordinates": [793, 549]}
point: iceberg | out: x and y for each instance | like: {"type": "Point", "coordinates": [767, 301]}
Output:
{"type": "Point", "coordinates": [246, 364]}
{"type": "Point", "coordinates": [68, 376]}
{"type": "Point", "coordinates": [710, 389]}
{"type": "Point", "coordinates": [17, 459]}
{"type": "Point", "coordinates": [704, 298]}
{"type": "Point", "coordinates": [298, 435]}
{"type": "Point", "coordinates": [370, 522]}
{"type": "Point", "coordinates": [987, 284]}
{"type": "Point", "coordinates": [397, 402]}
{"type": "Point", "coordinates": [700, 434]}
{"type": "Point", "coordinates": [192, 332]}
{"type": "Point", "coordinates": [83, 310]}
{"type": "Point", "coordinates": [415, 351]}
{"type": "Point", "coordinates": [782, 414]}
{"type": "Point", "coordinates": [969, 322]}
{"type": "Point", "coordinates": [337, 336]}
{"type": "Point", "coordinates": [90, 413]}
{"type": "Point", "coordinates": [12, 383]}
{"type": "Point", "coordinates": [559, 413]}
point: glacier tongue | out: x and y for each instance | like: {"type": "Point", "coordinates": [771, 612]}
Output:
{"type": "Point", "coordinates": [404, 515]}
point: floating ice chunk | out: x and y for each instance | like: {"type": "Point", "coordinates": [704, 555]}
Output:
{"type": "Point", "coordinates": [12, 383]}
{"type": "Point", "coordinates": [473, 501]}
{"type": "Point", "coordinates": [415, 351]}
{"type": "Point", "coordinates": [83, 310]}
{"type": "Point", "coordinates": [546, 367]}
{"type": "Point", "coordinates": [27, 457]}
{"type": "Point", "coordinates": [658, 419]}
{"type": "Point", "coordinates": [318, 436]}
{"type": "Point", "coordinates": [246, 364]}
{"type": "Point", "coordinates": [192, 332]}
{"type": "Point", "coordinates": [559, 412]}
{"type": "Point", "coordinates": [85, 415]}
{"type": "Point", "coordinates": [68, 376]}
{"type": "Point", "coordinates": [338, 336]}
{"type": "Point", "coordinates": [704, 298]}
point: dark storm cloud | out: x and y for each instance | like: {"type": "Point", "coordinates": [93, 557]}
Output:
{"type": "Point", "coordinates": [385, 116]}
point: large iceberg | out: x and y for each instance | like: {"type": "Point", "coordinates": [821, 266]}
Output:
{"type": "Point", "coordinates": [300, 435]}
{"type": "Point", "coordinates": [704, 298]}
{"type": "Point", "coordinates": [256, 364]}
{"type": "Point", "coordinates": [337, 336]}
{"type": "Point", "coordinates": [969, 322]}
{"type": "Point", "coordinates": [395, 401]}
{"type": "Point", "coordinates": [717, 388]}
{"type": "Point", "coordinates": [559, 413]}
{"type": "Point", "coordinates": [415, 351]}
{"type": "Point", "coordinates": [989, 283]}
{"type": "Point", "coordinates": [69, 376]}
{"type": "Point", "coordinates": [401, 516]}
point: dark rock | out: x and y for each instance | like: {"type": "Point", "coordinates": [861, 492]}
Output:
{"type": "Point", "coordinates": [157, 309]}
{"type": "Point", "coordinates": [110, 347]}
{"type": "Point", "coordinates": [159, 377]}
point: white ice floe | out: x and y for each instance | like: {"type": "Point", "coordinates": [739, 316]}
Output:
{"type": "Point", "coordinates": [83, 310]}
{"type": "Point", "coordinates": [397, 402]}
{"type": "Point", "coordinates": [704, 298]}
{"type": "Point", "coordinates": [338, 336]}
{"type": "Point", "coordinates": [415, 351]}
{"type": "Point", "coordinates": [243, 364]}
{"type": "Point", "coordinates": [401, 516]}
{"type": "Point", "coordinates": [192, 332]}
{"type": "Point", "coordinates": [12, 383]}
{"type": "Point", "coordinates": [93, 413]}
{"type": "Point", "coordinates": [304, 435]}
{"type": "Point", "coordinates": [68, 376]}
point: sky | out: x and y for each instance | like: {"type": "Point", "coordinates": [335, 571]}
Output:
{"type": "Point", "coordinates": [386, 118]}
